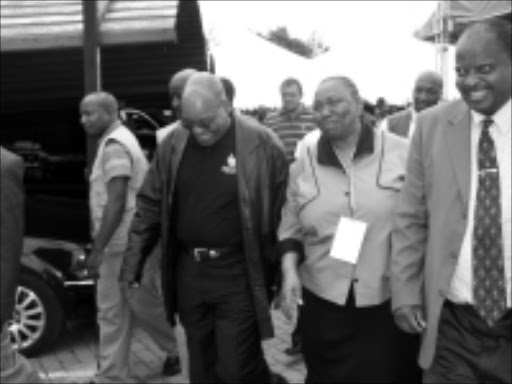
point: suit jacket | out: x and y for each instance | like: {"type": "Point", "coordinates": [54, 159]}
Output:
{"type": "Point", "coordinates": [11, 228]}
{"type": "Point", "coordinates": [400, 122]}
{"type": "Point", "coordinates": [262, 172]}
{"type": "Point", "coordinates": [431, 215]}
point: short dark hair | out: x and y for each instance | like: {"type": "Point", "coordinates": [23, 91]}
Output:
{"type": "Point", "coordinates": [291, 81]}
{"type": "Point", "coordinates": [229, 89]}
{"type": "Point", "coordinates": [499, 27]}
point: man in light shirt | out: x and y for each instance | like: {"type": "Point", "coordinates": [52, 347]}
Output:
{"type": "Point", "coordinates": [451, 268]}
{"type": "Point", "coordinates": [427, 92]}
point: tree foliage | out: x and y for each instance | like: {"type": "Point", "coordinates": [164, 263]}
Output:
{"type": "Point", "coordinates": [309, 48]}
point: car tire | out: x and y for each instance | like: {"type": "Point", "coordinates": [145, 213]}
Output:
{"type": "Point", "coordinates": [38, 316]}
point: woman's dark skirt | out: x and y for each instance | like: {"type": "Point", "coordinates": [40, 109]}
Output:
{"type": "Point", "coordinates": [345, 344]}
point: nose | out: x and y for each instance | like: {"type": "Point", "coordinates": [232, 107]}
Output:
{"type": "Point", "coordinates": [323, 111]}
{"type": "Point", "coordinates": [422, 95]}
{"type": "Point", "coordinates": [470, 81]}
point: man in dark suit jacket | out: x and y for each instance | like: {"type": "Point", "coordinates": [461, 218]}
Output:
{"type": "Point", "coordinates": [14, 367]}
{"type": "Point", "coordinates": [427, 92]}
{"type": "Point", "coordinates": [451, 259]}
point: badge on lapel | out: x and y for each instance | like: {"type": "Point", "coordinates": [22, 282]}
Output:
{"type": "Point", "coordinates": [230, 167]}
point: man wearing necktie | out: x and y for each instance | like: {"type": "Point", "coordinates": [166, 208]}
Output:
{"type": "Point", "coordinates": [451, 262]}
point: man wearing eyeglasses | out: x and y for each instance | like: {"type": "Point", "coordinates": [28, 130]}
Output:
{"type": "Point", "coordinates": [213, 195]}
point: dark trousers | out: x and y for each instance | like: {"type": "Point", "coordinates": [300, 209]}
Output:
{"type": "Point", "coordinates": [346, 344]}
{"type": "Point", "coordinates": [217, 312]}
{"type": "Point", "coordinates": [468, 350]}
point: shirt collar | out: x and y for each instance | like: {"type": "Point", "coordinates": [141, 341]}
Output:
{"type": "Point", "coordinates": [364, 146]}
{"type": "Point", "coordinates": [111, 129]}
{"type": "Point", "coordinates": [501, 119]}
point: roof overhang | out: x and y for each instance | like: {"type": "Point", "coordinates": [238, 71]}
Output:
{"type": "Point", "coordinates": [457, 15]}
{"type": "Point", "coordinates": [50, 24]}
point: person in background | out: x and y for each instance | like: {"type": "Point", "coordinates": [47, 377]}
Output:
{"type": "Point", "coordinates": [117, 173]}
{"type": "Point", "coordinates": [176, 86]}
{"type": "Point", "coordinates": [293, 120]}
{"type": "Point", "coordinates": [427, 92]}
{"type": "Point", "coordinates": [341, 194]}
{"type": "Point", "coordinates": [14, 368]}
{"type": "Point", "coordinates": [291, 123]}
{"type": "Point", "coordinates": [213, 195]}
{"type": "Point", "coordinates": [451, 263]}
{"type": "Point", "coordinates": [229, 89]}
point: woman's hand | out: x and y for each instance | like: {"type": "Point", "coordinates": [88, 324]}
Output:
{"type": "Point", "coordinates": [291, 288]}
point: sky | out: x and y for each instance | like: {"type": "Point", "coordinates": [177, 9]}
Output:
{"type": "Point", "coordinates": [371, 41]}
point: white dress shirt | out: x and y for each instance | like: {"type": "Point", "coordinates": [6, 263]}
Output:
{"type": "Point", "coordinates": [461, 290]}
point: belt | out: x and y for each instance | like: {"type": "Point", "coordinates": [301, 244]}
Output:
{"type": "Point", "coordinates": [207, 253]}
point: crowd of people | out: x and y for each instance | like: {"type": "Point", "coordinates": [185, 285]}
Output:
{"type": "Point", "coordinates": [388, 241]}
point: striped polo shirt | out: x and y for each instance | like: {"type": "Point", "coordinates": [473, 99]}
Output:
{"type": "Point", "coordinates": [291, 127]}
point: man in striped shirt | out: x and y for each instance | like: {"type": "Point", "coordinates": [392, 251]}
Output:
{"type": "Point", "coordinates": [293, 120]}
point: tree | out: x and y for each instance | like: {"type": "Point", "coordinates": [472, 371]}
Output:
{"type": "Point", "coordinates": [309, 48]}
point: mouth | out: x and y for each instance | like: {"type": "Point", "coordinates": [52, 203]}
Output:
{"type": "Point", "coordinates": [203, 138]}
{"type": "Point", "coordinates": [477, 96]}
{"type": "Point", "coordinates": [329, 123]}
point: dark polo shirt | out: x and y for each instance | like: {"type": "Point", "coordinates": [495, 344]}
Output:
{"type": "Point", "coordinates": [207, 209]}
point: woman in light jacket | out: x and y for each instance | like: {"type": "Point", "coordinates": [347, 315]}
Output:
{"type": "Point", "coordinates": [335, 242]}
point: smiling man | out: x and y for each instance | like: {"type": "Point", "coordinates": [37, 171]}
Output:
{"type": "Point", "coordinates": [213, 195]}
{"type": "Point", "coordinates": [451, 263]}
{"type": "Point", "coordinates": [427, 92]}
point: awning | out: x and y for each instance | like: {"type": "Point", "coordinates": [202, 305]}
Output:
{"type": "Point", "coordinates": [459, 13]}
{"type": "Point", "coordinates": [43, 24]}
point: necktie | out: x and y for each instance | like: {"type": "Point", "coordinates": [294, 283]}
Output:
{"type": "Point", "coordinates": [488, 269]}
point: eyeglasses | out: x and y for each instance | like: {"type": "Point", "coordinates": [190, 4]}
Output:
{"type": "Point", "coordinates": [205, 123]}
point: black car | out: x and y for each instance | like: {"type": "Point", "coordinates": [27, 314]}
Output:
{"type": "Point", "coordinates": [54, 292]}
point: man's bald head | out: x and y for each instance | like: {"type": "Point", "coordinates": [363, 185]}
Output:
{"type": "Point", "coordinates": [205, 108]}
{"type": "Point", "coordinates": [104, 100]}
{"type": "Point", "coordinates": [204, 86]}
{"type": "Point", "coordinates": [428, 90]}
{"type": "Point", "coordinates": [98, 111]}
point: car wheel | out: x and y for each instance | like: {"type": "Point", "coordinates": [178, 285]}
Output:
{"type": "Point", "coordinates": [38, 316]}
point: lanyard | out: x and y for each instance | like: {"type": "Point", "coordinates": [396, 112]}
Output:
{"type": "Point", "coordinates": [352, 194]}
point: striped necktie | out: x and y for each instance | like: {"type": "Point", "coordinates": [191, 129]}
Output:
{"type": "Point", "coordinates": [488, 261]}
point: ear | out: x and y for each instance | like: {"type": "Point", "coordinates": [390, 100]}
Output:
{"type": "Point", "coordinates": [226, 105]}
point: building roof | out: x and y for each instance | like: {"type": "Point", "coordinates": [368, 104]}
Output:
{"type": "Point", "coordinates": [460, 13]}
{"type": "Point", "coordinates": [35, 24]}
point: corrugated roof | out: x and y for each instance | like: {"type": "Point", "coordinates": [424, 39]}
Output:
{"type": "Point", "coordinates": [42, 24]}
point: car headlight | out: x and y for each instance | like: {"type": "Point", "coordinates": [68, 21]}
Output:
{"type": "Point", "coordinates": [79, 265]}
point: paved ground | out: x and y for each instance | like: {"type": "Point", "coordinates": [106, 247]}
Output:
{"type": "Point", "coordinates": [73, 359]}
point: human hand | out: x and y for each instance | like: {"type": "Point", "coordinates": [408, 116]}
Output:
{"type": "Point", "coordinates": [291, 294]}
{"type": "Point", "coordinates": [410, 318]}
{"type": "Point", "coordinates": [93, 263]}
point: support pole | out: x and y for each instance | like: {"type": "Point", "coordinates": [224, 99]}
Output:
{"type": "Point", "coordinates": [444, 46]}
{"type": "Point", "coordinates": [91, 62]}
